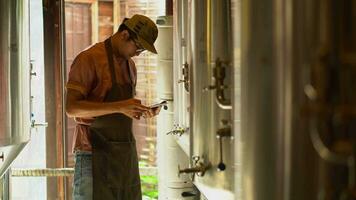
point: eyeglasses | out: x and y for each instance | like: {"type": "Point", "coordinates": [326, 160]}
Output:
{"type": "Point", "coordinates": [139, 48]}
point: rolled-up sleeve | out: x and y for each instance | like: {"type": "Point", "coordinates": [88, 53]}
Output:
{"type": "Point", "coordinates": [81, 76]}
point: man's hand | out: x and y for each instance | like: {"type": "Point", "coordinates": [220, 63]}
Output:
{"type": "Point", "coordinates": [77, 106]}
{"type": "Point", "coordinates": [156, 110]}
{"type": "Point", "coordinates": [134, 109]}
{"type": "Point", "coordinates": [152, 112]}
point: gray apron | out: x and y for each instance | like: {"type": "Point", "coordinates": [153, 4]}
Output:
{"type": "Point", "coordinates": [115, 163]}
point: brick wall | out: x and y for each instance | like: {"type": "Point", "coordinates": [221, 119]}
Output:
{"type": "Point", "coordinates": [145, 129]}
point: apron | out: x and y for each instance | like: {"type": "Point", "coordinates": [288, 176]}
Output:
{"type": "Point", "coordinates": [115, 163]}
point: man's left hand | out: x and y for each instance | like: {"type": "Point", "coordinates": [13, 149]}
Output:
{"type": "Point", "coordinates": [152, 112]}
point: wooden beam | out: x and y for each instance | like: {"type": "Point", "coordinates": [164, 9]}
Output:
{"type": "Point", "coordinates": [53, 59]}
{"type": "Point", "coordinates": [116, 15]}
{"type": "Point", "coordinates": [95, 21]}
{"type": "Point", "coordinates": [81, 1]}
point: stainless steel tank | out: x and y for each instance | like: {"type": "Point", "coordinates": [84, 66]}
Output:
{"type": "Point", "coordinates": [170, 155]}
{"type": "Point", "coordinates": [212, 145]}
{"type": "Point", "coordinates": [262, 100]}
{"type": "Point", "coordinates": [182, 63]}
{"type": "Point", "coordinates": [236, 62]}
{"type": "Point", "coordinates": [14, 80]}
{"type": "Point", "coordinates": [293, 56]}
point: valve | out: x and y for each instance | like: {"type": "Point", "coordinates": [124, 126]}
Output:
{"type": "Point", "coordinates": [221, 133]}
{"type": "Point", "coordinates": [219, 75]}
{"type": "Point", "coordinates": [185, 73]}
{"type": "Point", "coordinates": [199, 168]}
{"type": "Point", "coordinates": [178, 130]}
{"type": "Point", "coordinates": [35, 125]}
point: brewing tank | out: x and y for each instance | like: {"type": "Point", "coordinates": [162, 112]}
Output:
{"type": "Point", "coordinates": [14, 80]}
{"type": "Point", "coordinates": [182, 63]}
{"type": "Point", "coordinates": [211, 118]}
{"type": "Point", "coordinates": [297, 71]}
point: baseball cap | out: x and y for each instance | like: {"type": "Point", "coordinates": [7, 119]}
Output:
{"type": "Point", "coordinates": [145, 29]}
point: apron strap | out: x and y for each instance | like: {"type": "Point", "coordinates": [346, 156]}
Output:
{"type": "Point", "coordinates": [109, 54]}
{"type": "Point", "coordinates": [129, 71]}
{"type": "Point", "coordinates": [133, 84]}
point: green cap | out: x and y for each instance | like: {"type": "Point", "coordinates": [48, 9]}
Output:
{"type": "Point", "coordinates": [145, 29]}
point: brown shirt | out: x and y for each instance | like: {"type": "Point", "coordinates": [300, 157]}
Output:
{"type": "Point", "coordinates": [90, 75]}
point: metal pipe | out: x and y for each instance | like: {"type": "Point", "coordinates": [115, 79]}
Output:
{"type": "Point", "coordinates": [199, 169]}
{"type": "Point", "coordinates": [21, 172]}
{"type": "Point", "coordinates": [63, 77]}
{"type": "Point", "coordinates": [42, 172]}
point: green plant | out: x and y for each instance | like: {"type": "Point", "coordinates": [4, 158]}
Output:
{"type": "Point", "coordinates": [149, 187]}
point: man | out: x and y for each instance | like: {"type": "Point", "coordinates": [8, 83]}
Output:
{"type": "Point", "coordinates": [100, 92]}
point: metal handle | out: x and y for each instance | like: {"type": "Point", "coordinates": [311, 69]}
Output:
{"type": "Point", "coordinates": [189, 194]}
{"type": "Point", "coordinates": [32, 73]}
{"type": "Point", "coordinates": [185, 73]}
{"type": "Point", "coordinates": [178, 130]}
{"type": "Point", "coordinates": [199, 169]}
{"type": "Point", "coordinates": [208, 88]}
{"type": "Point", "coordinates": [35, 125]}
{"type": "Point", "coordinates": [183, 81]}
{"type": "Point", "coordinates": [219, 75]}
{"type": "Point", "coordinates": [322, 150]}
{"type": "Point", "coordinates": [2, 157]}
{"type": "Point", "coordinates": [221, 133]}
{"type": "Point", "coordinates": [219, 86]}
{"type": "Point", "coordinates": [326, 154]}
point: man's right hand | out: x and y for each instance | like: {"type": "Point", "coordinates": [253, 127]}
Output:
{"type": "Point", "coordinates": [133, 108]}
